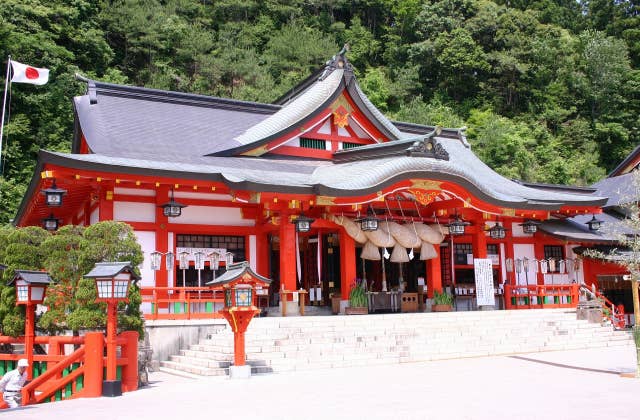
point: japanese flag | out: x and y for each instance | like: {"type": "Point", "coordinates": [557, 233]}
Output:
{"type": "Point", "coordinates": [23, 73]}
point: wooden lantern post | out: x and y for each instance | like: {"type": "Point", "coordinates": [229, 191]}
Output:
{"type": "Point", "coordinates": [240, 285]}
{"type": "Point", "coordinates": [31, 287]}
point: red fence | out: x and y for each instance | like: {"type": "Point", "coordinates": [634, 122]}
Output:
{"type": "Point", "coordinates": [181, 302]}
{"type": "Point", "coordinates": [58, 376]}
{"type": "Point", "coordinates": [541, 296]}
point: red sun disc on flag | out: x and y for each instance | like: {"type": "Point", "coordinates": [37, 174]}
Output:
{"type": "Point", "coordinates": [32, 73]}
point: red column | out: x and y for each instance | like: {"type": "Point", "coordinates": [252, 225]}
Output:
{"type": "Point", "coordinates": [479, 242]}
{"type": "Point", "coordinates": [93, 364]}
{"type": "Point", "coordinates": [287, 253]}
{"type": "Point", "coordinates": [538, 250]}
{"type": "Point", "coordinates": [162, 242]}
{"type": "Point", "coordinates": [347, 263]}
{"type": "Point", "coordinates": [130, 370]}
{"type": "Point", "coordinates": [238, 347]}
{"type": "Point", "coordinates": [508, 253]}
{"type": "Point", "coordinates": [434, 273]}
{"type": "Point", "coordinates": [29, 332]}
{"type": "Point", "coordinates": [112, 321]}
{"type": "Point", "coordinates": [106, 202]}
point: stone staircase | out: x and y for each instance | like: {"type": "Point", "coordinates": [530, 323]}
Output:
{"type": "Point", "coordinates": [321, 342]}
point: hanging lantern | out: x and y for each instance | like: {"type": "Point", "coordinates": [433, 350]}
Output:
{"type": "Point", "coordinates": [530, 226]}
{"type": "Point", "coordinates": [370, 222]}
{"type": "Point", "coordinates": [51, 223]}
{"type": "Point", "coordinates": [303, 223]}
{"type": "Point", "coordinates": [169, 260]}
{"type": "Point", "coordinates": [457, 226]}
{"type": "Point", "coordinates": [497, 231]}
{"type": "Point", "coordinates": [199, 260]}
{"type": "Point", "coordinates": [544, 266]}
{"type": "Point", "coordinates": [518, 265]}
{"type": "Point", "coordinates": [594, 224]}
{"type": "Point", "coordinates": [183, 258]}
{"type": "Point", "coordinates": [172, 208]}
{"type": "Point", "coordinates": [525, 264]}
{"type": "Point", "coordinates": [53, 195]}
{"type": "Point", "coordinates": [509, 265]}
{"type": "Point", "coordinates": [228, 259]}
{"type": "Point", "coordinates": [214, 261]}
{"type": "Point", "coordinates": [552, 265]}
{"type": "Point", "coordinates": [156, 258]}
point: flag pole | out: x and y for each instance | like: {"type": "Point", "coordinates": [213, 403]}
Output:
{"type": "Point", "coordinates": [4, 106]}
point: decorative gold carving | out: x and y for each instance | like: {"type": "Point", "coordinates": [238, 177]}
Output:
{"type": "Point", "coordinates": [254, 197]}
{"type": "Point", "coordinates": [341, 102]}
{"type": "Point", "coordinates": [425, 197]}
{"type": "Point", "coordinates": [341, 117]}
{"type": "Point", "coordinates": [323, 200]}
{"type": "Point", "coordinates": [426, 184]}
{"type": "Point", "coordinates": [508, 212]}
{"type": "Point", "coordinates": [258, 151]}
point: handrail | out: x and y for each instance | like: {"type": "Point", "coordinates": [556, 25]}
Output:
{"type": "Point", "coordinates": [28, 392]}
{"type": "Point", "coordinates": [540, 296]}
{"type": "Point", "coordinates": [181, 302]}
{"type": "Point", "coordinates": [604, 302]}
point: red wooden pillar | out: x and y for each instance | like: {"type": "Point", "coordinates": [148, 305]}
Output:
{"type": "Point", "coordinates": [347, 263]}
{"type": "Point", "coordinates": [29, 335]}
{"type": "Point", "coordinates": [509, 254]}
{"type": "Point", "coordinates": [434, 273]}
{"type": "Point", "coordinates": [538, 249]}
{"type": "Point", "coordinates": [162, 240]}
{"type": "Point", "coordinates": [287, 254]}
{"type": "Point", "coordinates": [106, 202]}
{"type": "Point", "coordinates": [93, 364]}
{"type": "Point", "coordinates": [130, 370]}
{"type": "Point", "coordinates": [479, 242]}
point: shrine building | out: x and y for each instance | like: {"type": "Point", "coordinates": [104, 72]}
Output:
{"type": "Point", "coordinates": [315, 191]}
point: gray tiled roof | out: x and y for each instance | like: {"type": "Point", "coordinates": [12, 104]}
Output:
{"type": "Point", "coordinates": [134, 123]}
{"type": "Point", "coordinates": [111, 269]}
{"type": "Point", "coordinates": [576, 228]}
{"type": "Point", "coordinates": [41, 277]}
{"type": "Point", "coordinates": [619, 189]}
{"type": "Point", "coordinates": [236, 271]}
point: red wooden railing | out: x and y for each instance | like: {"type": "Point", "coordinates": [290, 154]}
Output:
{"type": "Point", "coordinates": [181, 302]}
{"type": "Point", "coordinates": [58, 376]}
{"type": "Point", "coordinates": [543, 296]}
{"type": "Point", "coordinates": [609, 311]}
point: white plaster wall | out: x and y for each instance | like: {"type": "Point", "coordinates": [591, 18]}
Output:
{"type": "Point", "coordinates": [171, 273]}
{"type": "Point", "coordinates": [204, 215]}
{"type": "Point", "coordinates": [326, 128]}
{"type": "Point", "coordinates": [252, 252]}
{"type": "Point", "coordinates": [135, 191]}
{"type": "Point", "coordinates": [127, 211]}
{"type": "Point", "coordinates": [525, 251]}
{"type": "Point", "coordinates": [147, 241]}
{"type": "Point", "coordinates": [95, 216]}
{"type": "Point", "coordinates": [516, 231]}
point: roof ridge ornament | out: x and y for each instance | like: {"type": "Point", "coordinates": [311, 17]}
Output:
{"type": "Point", "coordinates": [338, 61]}
{"type": "Point", "coordinates": [428, 147]}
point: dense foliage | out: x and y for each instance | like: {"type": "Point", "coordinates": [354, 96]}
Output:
{"type": "Point", "coordinates": [549, 89]}
{"type": "Point", "coordinates": [67, 255]}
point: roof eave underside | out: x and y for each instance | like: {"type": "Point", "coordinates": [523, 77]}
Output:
{"type": "Point", "coordinates": [242, 180]}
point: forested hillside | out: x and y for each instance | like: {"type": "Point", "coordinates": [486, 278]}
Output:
{"type": "Point", "coordinates": [549, 89]}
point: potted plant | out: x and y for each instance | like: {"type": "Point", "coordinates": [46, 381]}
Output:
{"type": "Point", "coordinates": [358, 301]}
{"type": "Point", "coordinates": [336, 297]}
{"type": "Point", "coordinates": [442, 302]}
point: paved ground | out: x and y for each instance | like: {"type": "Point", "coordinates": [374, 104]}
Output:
{"type": "Point", "coordinates": [581, 384]}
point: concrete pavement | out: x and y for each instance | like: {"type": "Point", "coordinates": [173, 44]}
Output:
{"type": "Point", "coordinates": [580, 384]}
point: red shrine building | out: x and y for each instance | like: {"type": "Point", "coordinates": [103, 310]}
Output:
{"type": "Point", "coordinates": [314, 191]}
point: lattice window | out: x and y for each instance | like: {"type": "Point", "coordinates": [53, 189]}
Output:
{"type": "Point", "coordinates": [313, 144]}
{"type": "Point", "coordinates": [492, 249]}
{"type": "Point", "coordinates": [461, 251]}
{"type": "Point", "coordinates": [555, 252]}
{"type": "Point", "coordinates": [233, 244]}
{"type": "Point", "coordinates": [347, 145]}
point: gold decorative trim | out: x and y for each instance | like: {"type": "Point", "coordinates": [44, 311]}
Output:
{"type": "Point", "coordinates": [341, 101]}
{"type": "Point", "coordinates": [426, 197]}
{"type": "Point", "coordinates": [258, 151]}
{"type": "Point", "coordinates": [323, 200]}
{"type": "Point", "coordinates": [508, 212]}
{"type": "Point", "coordinates": [426, 185]}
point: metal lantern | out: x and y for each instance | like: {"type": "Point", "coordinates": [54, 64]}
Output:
{"type": "Point", "coordinates": [183, 259]}
{"type": "Point", "coordinates": [169, 260]}
{"type": "Point", "coordinates": [525, 264]}
{"type": "Point", "coordinates": [214, 261]}
{"type": "Point", "coordinates": [31, 286]}
{"type": "Point", "coordinates": [370, 222]}
{"type": "Point", "coordinates": [243, 295]}
{"type": "Point", "coordinates": [562, 266]}
{"type": "Point", "coordinates": [530, 226]}
{"type": "Point", "coordinates": [509, 265]}
{"type": "Point", "coordinates": [199, 260]}
{"type": "Point", "coordinates": [53, 195]}
{"type": "Point", "coordinates": [172, 208]}
{"type": "Point", "coordinates": [594, 224]}
{"type": "Point", "coordinates": [228, 259]}
{"type": "Point", "coordinates": [552, 265]}
{"type": "Point", "coordinates": [497, 231]}
{"type": "Point", "coordinates": [51, 223]}
{"type": "Point", "coordinates": [457, 226]}
{"type": "Point", "coordinates": [544, 266]}
{"type": "Point", "coordinates": [518, 265]}
{"type": "Point", "coordinates": [303, 223]}
{"type": "Point", "coordinates": [156, 259]}
{"type": "Point", "coordinates": [112, 280]}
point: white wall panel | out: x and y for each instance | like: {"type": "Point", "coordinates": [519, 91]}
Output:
{"type": "Point", "coordinates": [127, 211]}
{"type": "Point", "coordinates": [147, 241]}
{"type": "Point", "coordinates": [204, 215]}
{"type": "Point", "coordinates": [253, 252]}
{"type": "Point", "coordinates": [134, 191]}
